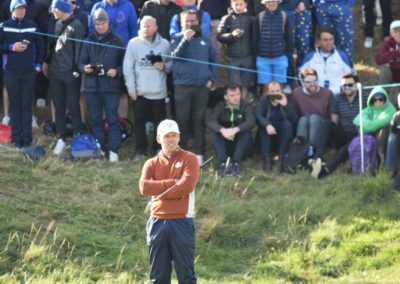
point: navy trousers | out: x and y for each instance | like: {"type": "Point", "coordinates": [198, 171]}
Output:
{"type": "Point", "coordinates": [21, 88]}
{"type": "Point", "coordinates": [109, 102]}
{"type": "Point", "coordinates": [171, 240]}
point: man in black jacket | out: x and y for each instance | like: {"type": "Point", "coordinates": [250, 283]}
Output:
{"type": "Point", "coordinates": [101, 66]}
{"type": "Point", "coordinates": [63, 70]}
{"type": "Point", "coordinates": [231, 122]}
{"type": "Point", "coordinates": [276, 118]}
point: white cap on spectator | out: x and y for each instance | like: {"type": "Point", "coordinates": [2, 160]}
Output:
{"type": "Point", "coordinates": [395, 24]}
{"type": "Point", "coordinates": [265, 1]}
{"type": "Point", "coordinates": [167, 126]}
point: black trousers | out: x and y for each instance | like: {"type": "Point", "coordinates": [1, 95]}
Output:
{"type": "Point", "coordinates": [20, 89]}
{"type": "Point", "coordinates": [65, 93]}
{"type": "Point", "coordinates": [370, 18]}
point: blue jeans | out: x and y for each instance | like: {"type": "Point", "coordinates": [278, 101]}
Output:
{"type": "Point", "coordinates": [238, 149]}
{"type": "Point", "coordinates": [171, 240]}
{"type": "Point", "coordinates": [109, 102]}
{"type": "Point", "coordinates": [269, 69]}
{"type": "Point", "coordinates": [284, 131]}
{"type": "Point", "coordinates": [316, 129]}
{"type": "Point", "coordinates": [391, 151]}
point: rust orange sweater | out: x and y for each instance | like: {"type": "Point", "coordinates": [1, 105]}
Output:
{"type": "Point", "coordinates": [179, 172]}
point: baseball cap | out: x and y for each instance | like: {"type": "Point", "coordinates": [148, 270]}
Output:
{"type": "Point", "coordinates": [266, 1]}
{"type": "Point", "coordinates": [395, 24]}
{"type": "Point", "coordinates": [166, 126]}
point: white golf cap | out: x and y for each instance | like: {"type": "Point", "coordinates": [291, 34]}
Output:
{"type": "Point", "coordinates": [266, 1]}
{"type": "Point", "coordinates": [395, 24]}
{"type": "Point", "coordinates": [167, 126]}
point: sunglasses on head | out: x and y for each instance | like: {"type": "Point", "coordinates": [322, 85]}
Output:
{"type": "Point", "coordinates": [379, 99]}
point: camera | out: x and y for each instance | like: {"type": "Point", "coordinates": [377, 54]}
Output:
{"type": "Point", "coordinates": [197, 30]}
{"type": "Point", "coordinates": [98, 69]}
{"type": "Point", "coordinates": [274, 97]}
{"type": "Point", "coordinates": [26, 42]}
{"type": "Point", "coordinates": [153, 58]}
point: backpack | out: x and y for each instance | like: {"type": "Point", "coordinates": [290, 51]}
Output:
{"type": "Point", "coordinates": [35, 152]}
{"type": "Point", "coordinates": [84, 147]}
{"type": "Point", "coordinates": [5, 134]}
{"type": "Point", "coordinates": [370, 155]}
{"type": "Point", "coordinates": [300, 151]}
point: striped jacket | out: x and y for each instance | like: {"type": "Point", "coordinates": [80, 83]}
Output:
{"type": "Point", "coordinates": [12, 31]}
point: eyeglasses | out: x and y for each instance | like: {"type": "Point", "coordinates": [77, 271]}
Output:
{"type": "Point", "coordinates": [380, 99]}
{"type": "Point", "coordinates": [310, 82]}
{"type": "Point", "coordinates": [350, 85]}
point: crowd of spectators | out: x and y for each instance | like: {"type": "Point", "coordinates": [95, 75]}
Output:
{"type": "Point", "coordinates": [290, 73]}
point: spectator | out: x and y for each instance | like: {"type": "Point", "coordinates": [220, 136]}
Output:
{"type": "Point", "coordinates": [24, 54]}
{"type": "Point", "coordinates": [276, 119]}
{"type": "Point", "coordinates": [329, 62]}
{"type": "Point", "coordinates": [145, 74]}
{"type": "Point", "coordinates": [370, 19]}
{"type": "Point", "coordinates": [237, 32]}
{"type": "Point", "coordinates": [337, 15]}
{"type": "Point", "coordinates": [231, 122]}
{"type": "Point", "coordinates": [300, 20]}
{"type": "Point", "coordinates": [162, 11]}
{"type": "Point", "coordinates": [122, 15]}
{"type": "Point", "coordinates": [274, 44]}
{"type": "Point", "coordinates": [204, 21]}
{"type": "Point", "coordinates": [389, 57]}
{"type": "Point", "coordinates": [170, 179]}
{"type": "Point", "coordinates": [392, 149]}
{"type": "Point", "coordinates": [313, 104]}
{"type": "Point", "coordinates": [345, 108]}
{"type": "Point", "coordinates": [192, 88]}
{"type": "Point", "coordinates": [376, 118]}
{"type": "Point", "coordinates": [101, 66]}
{"type": "Point", "coordinates": [62, 72]}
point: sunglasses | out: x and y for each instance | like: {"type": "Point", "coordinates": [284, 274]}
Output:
{"type": "Point", "coordinates": [351, 85]}
{"type": "Point", "coordinates": [378, 100]}
{"type": "Point", "coordinates": [310, 82]}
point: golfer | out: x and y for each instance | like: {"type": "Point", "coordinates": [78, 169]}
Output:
{"type": "Point", "coordinates": [170, 179]}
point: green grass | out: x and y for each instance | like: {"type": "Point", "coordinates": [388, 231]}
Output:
{"type": "Point", "coordinates": [84, 223]}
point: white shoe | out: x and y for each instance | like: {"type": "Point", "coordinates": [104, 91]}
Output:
{"type": "Point", "coordinates": [6, 120]}
{"type": "Point", "coordinates": [34, 122]}
{"type": "Point", "coordinates": [369, 41]}
{"type": "Point", "coordinates": [200, 159]}
{"type": "Point", "coordinates": [113, 157]}
{"type": "Point", "coordinates": [59, 147]}
{"type": "Point", "coordinates": [316, 166]}
{"type": "Point", "coordinates": [40, 103]}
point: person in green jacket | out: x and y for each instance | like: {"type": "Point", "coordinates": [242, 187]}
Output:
{"type": "Point", "coordinates": [376, 117]}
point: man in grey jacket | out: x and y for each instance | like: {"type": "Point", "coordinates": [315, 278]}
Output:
{"type": "Point", "coordinates": [145, 69]}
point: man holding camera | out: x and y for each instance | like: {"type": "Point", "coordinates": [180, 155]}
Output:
{"type": "Point", "coordinates": [276, 118]}
{"type": "Point", "coordinates": [145, 70]}
{"type": "Point", "coordinates": [24, 51]}
{"type": "Point", "coordinates": [101, 66]}
{"type": "Point", "coordinates": [193, 79]}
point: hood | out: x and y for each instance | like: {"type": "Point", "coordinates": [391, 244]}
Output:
{"type": "Point", "coordinates": [377, 90]}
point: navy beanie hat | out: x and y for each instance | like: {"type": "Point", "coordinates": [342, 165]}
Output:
{"type": "Point", "coordinates": [17, 3]}
{"type": "Point", "coordinates": [63, 5]}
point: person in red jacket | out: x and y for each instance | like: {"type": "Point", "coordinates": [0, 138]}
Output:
{"type": "Point", "coordinates": [170, 179]}
{"type": "Point", "coordinates": [389, 57]}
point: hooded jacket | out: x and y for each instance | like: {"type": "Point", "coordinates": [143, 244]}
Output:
{"type": "Point", "coordinates": [373, 118]}
{"type": "Point", "coordinates": [140, 75]}
{"type": "Point", "coordinates": [123, 18]}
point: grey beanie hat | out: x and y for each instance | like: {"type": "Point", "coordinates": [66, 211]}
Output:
{"type": "Point", "coordinates": [100, 15]}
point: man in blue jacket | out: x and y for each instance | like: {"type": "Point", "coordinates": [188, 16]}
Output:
{"type": "Point", "coordinates": [24, 52]}
{"type": "Point", "coordinates": [192, 80]}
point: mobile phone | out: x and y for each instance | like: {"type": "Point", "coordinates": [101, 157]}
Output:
{"type": "Point", "coordinates": [26, 42]}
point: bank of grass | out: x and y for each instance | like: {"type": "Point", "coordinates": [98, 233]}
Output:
{"type": "Point", "coordinates": [84, 223]}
